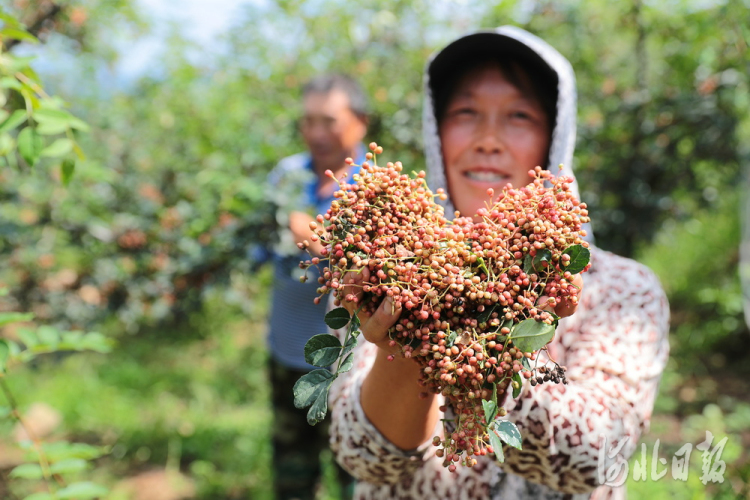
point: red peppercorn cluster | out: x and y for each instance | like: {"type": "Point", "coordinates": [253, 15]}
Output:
{"type": "Point", "coordinates": [462, 285]}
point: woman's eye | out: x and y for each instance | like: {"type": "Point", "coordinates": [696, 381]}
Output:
{"type": "Point", "coordinates": [521, 114]}
{"type": "Point", "coordinates": [463, 111]}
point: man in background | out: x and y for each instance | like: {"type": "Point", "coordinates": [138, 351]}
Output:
{"type": "Point", "coordinates": [333, 125]}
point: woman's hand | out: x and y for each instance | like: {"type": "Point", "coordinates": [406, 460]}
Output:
{"type": "Point", "coordinates": [391, 396]}
{"type": "Point", "coordinates": [374, 327]}
{"type": "Point", "coordinates": [566, 307]}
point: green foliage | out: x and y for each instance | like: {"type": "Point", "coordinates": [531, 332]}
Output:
{"type": "Point", "coordinates": [541, 259]}
{"type": "Point", "coordinates": [702, 284]}
{"type": "Point", "coordinates": [58, 459]}
{"type": "Point", "coordinates": [24, 103]}
{"type": "Point", "coordinates": [501, 431]}
{"type": "Point", "coordinates": [490, 410]}
{"type": "Point", "coordinates": [531, 335]}
{"type": "Point", "coordinates": [663, 106]}
{"type": "Point", "coordinates": [579, 259]}
{"type": "Point", "coordinates": [497, 445]}
{"type": "Point", "coordinates": [200, 400]}
{"type": "Point", "coordinates": [322, 350]}
{"type": "Point", "coordinates": [508, 433]}
{"type": "Point", "coordinates": [43, 116]}
{"type": "Point", "coordinates": [337, 318]}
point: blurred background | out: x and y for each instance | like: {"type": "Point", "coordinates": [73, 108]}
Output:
{"type": "Point", "coordinates": [191, 103]}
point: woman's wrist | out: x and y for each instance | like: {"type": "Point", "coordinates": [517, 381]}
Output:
{"type": "Point", "coordinates": [388, 347]}
{"type": "Point", "coordinates": [397, 405]}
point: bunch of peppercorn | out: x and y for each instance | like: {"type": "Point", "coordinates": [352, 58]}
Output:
{"type": "Point", "coordinates": [477, 297]}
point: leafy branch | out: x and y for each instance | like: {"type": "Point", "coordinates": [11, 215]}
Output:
{"type": "Point", "coordinates": [50, 130]}
{"type": "Point", "coordinates": [323, 350]}
{"type": "Point", "coordinates": [49, 462]}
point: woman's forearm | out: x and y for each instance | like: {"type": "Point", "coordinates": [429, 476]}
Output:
{"type": "Point", "coordinates": [390, 399]}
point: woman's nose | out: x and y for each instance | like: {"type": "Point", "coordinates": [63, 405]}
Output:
{"type": "Point", "coordinates": [489, 138]}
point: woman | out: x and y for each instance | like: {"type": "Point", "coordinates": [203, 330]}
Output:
{"type": "Point", "coordinates": [497, 104]}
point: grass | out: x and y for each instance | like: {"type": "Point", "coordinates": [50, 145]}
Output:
{"type": "Point", "coordinates": [195, 399]}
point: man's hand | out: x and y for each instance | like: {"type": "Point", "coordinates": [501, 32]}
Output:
{"type": "Point", "coordinates": [374, 327]}
{"type": "Point", "coordinates": [299, 224]}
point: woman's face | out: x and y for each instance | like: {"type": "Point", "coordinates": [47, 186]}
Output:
{"type": "Point", "coordinates": [492, 134]}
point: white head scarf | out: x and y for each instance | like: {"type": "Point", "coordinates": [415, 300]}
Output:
{"type": "Point", "coordinates": [507, 39]}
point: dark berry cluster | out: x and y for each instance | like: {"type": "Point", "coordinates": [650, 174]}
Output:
{"type": "Point", "coordinates": [556, 375]}
{"type": "Point", "coordinates": [463, 285]}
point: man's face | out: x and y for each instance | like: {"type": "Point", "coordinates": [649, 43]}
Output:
{"type": "Point", "coordinates": [330, 129]}
{"type": "Point", "coordinates": [492, 134]}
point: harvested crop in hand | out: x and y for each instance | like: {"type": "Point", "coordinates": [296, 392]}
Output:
{"type": "Point", "coordinates": [477, 297]}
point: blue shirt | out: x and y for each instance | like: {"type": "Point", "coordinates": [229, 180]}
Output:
{"type": "Point", "coordinates": [294, 316]}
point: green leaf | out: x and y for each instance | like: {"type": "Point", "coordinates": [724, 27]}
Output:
{"type": "Point", "coordinates": [531, 335]}
{"type": "Point", "coordinates": [15, 317]}
{"type": "Point", "coordinates": [42, 495]}
{"type": "Point", "coordinates": [10, 82]}
{"type": "Point", "coordinates": [497, 444]}
{"type": "Point", "coordinates": [350, 344]}
{"type": "Point", "coordinates": [310, 385]}
{"type": "Point", "coordinates": [67, 167]}
{"type": "Point", "coordinates": [48, 336]}
{"type": "Point", "coordinates": [27, 471]}
{"type": "Point", "coordinates": [62, 450]}
{"type": "Point", "coordinates": [509, 433]}
{"type": "Point", "coordinates": [48, 115]}
{"type": "Point", "coordinates": [82, 490]}
{"type": "Point", "coordinates": [525, 363]}
{"type": "Point", "coordinates": [14, 120]}
{"type": "Point", "coordinates": [527, 266]}
{"type": "Point", "coordinates": [79, 124]}
{"type": "Point", "coordinates": [28, 337]}
{"type": "Point", "coordinates": [319, 407]}
{"type": "Point", "coordinates": [347, 364]}
{"type": "Point", "coordinates": [58, 149]}
{"type": "Point", "coordinates": [5, 411]}
{"type": "Point", "coordinates": [480, 261]}
{"type": "Point", "coordinates": [337, 318]}
{"type": "Point", "coordinates": [15, 349]}
{"type": "Point", "coordinates": [18, 34]}
{"type": "Point", "coordinates": [69, 466]}
{"type": "Point", "coordinates": [30, 145]}
{"type": "Point", "coordinates": [579, 258]}
{"type": "Point", "coordinates": [541, 259]}
{"type": "Point", "coordinates": [451, 338]}
{"type": "Point", "coordinates": [95, 341]}
{"type": "Point", "coordinates": [72, 340]}
{"type": "Point", "coordinates": [517, 390]}
{"type": "Point", "coordinates": [9, 20]}
{"type": "Point", "coordinates": [490, 410]}
{"type": "Point", "coordinates": [354, 324]}
{"type": "Point", "coordinates": [7, 143]}
{"type": "Point", "coordinates": [4, 354]}
{"type": "Point", "coordinates": [52, 128]}
{"type": "Point", "coordinates": [484, 317]}
{"type": "Point", "coordinates": [322, 350]}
